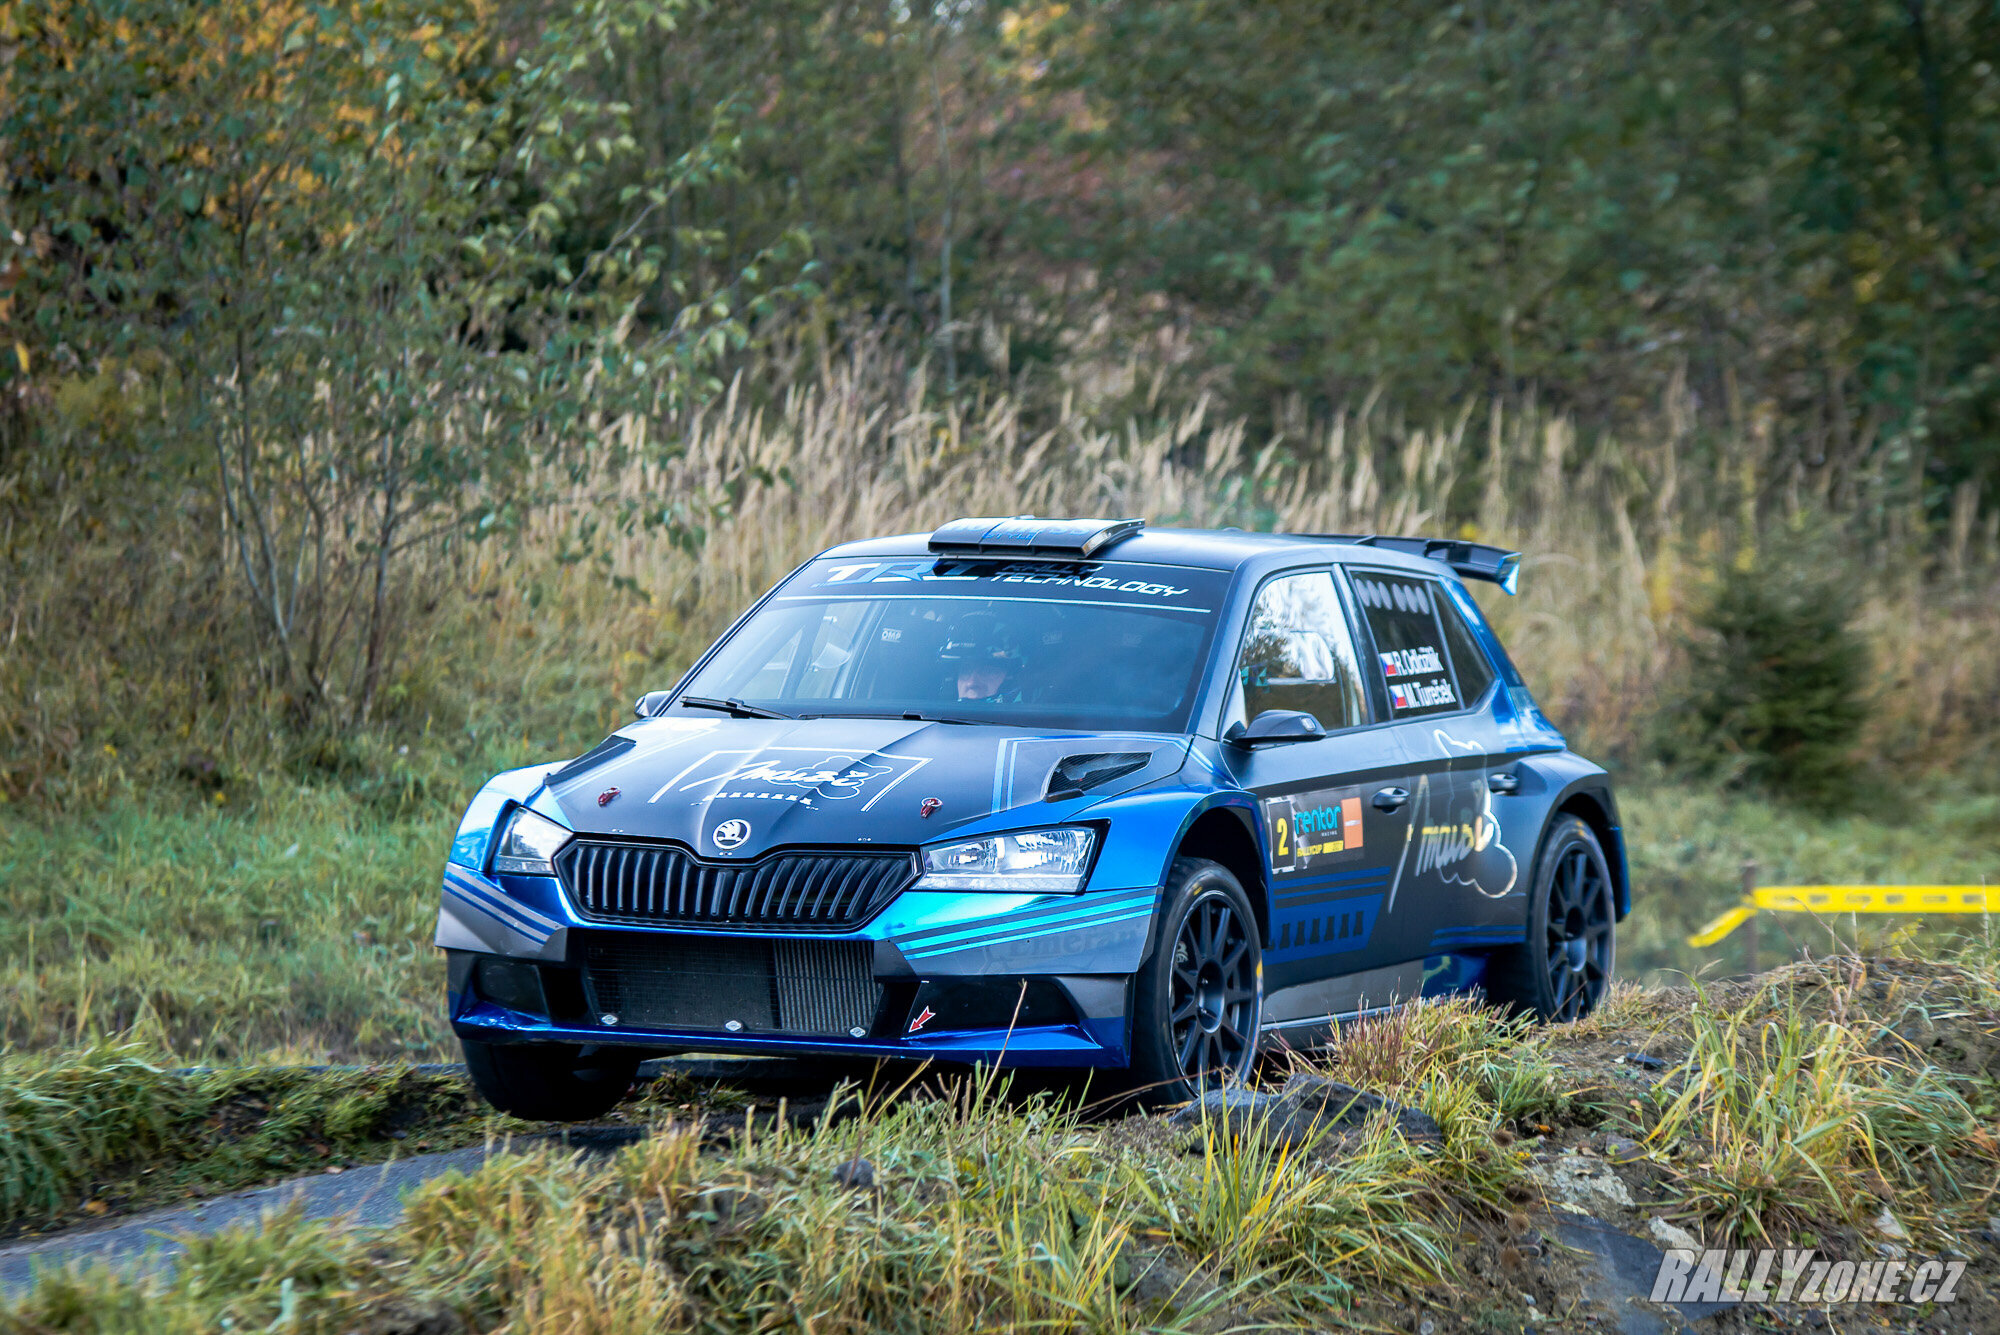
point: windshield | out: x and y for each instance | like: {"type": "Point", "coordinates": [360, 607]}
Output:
{"type": "Point", "coordinates": [1087, 645]}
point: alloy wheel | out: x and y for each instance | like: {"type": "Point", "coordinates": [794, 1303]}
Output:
{"type": "Point", "coordinates": [1579, 933]}
{"type": "Point", "coordinates": [1213, 994]}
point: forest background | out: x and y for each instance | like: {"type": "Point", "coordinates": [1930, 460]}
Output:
{"type": "Point", "coordinates": [389, 392]}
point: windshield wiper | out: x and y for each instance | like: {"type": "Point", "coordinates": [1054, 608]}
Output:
{"type": "Point", "coordinates": [911, 715]}
{"type": "Point", "coordinates": [734, 708]}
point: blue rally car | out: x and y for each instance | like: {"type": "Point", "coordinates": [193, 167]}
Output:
{"type": "Point", "coordinates": [1043, 792]}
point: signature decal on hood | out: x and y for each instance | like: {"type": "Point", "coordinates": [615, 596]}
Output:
{"type": "Point", "coordinates": [808, 776]}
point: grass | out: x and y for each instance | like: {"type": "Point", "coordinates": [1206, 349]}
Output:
{"type": "Point", "coordinates": [987, 1213]}
{"type": "Point", "coordinates": [107, 1128]}
{"type": "Point", "coordinates": [1800, 1103]}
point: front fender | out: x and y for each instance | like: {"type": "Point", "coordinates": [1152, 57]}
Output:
{"type": "Point", "coordinates": [514, 787]}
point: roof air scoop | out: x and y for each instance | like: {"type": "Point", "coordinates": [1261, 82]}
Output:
{"type": "Point", "coordinates": [1025, 535]}
{"type": "Point", "coordinates": [1073, 776]}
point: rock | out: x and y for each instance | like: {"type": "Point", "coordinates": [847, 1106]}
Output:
{"type": "Point", "coordinates": [1991, 1233]}
{"type": "Point", "coordinates": [399, 1316]}
{"type": "Point", "coordinates": [1890, 1227]}
{"type": "Point", "coordinates": [1673, 1237]}
{"type": "Point", "coordinates": [1584, 1185]}
{"type": "Point", "coordinates": [1620, 1150]}
{"type": "Point", "coordinates": [1234, 1106]}
{"type": "Point", "coordinates": [1645, 1061]}
{"type": "Point", "coordinates": [1308, 1108]}
{"type": "Point", "coordinates": [856, 1173]}
{"type": "Point", "coordinates": [1149, 1280]}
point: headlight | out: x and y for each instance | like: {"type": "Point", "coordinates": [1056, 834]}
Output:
{"type": "Point", "coordinates": [1034, 861]}
{"type": "Point", "coordinates": [528, 847]}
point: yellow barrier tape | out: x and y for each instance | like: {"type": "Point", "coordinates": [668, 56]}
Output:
{"type": "Point", "coordinates": [1851, 899]}
{"type": "Point", "coordinates": [1878, 898]}
{"type": "Point", "coordinates": [1723, 926]}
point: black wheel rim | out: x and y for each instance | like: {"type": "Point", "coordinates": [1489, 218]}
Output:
{"type": "Point", "coordinates": [1579, 933]}
{"type": "Point", "coordinates": [1213, 992]}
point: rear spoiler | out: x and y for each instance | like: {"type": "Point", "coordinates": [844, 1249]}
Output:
{"type": "Point", "coordinates": [1468, 560]}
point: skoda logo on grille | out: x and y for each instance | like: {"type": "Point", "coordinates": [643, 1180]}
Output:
{"type": "Point", "coordinates": [731, 833]}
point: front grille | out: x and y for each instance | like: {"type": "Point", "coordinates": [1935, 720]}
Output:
{"type": "Point", "coordinates": [791, 892]}
{"type": "Point", "coordinates": [810, 988]}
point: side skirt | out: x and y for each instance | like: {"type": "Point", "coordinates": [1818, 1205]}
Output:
{"type": "Point", "coordinates": [1309, 1015]}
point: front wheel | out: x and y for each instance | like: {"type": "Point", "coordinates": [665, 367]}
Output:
{"type": "Point", "coordinates": [1563, 969]}
{"type": "Point", "coordinates": [548, 1082]}
{"type": "Point", "coordinates": [1200, 996]}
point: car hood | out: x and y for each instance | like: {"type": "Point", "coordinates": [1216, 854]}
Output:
{"type": "Point", "coordinates": [769, 783]}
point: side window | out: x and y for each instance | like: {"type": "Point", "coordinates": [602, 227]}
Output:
{"type": "Point", "coordinates": [1468, 660]}
{"type": "Point", "coordinates": [1402, 616]}
{"type": "Point", "coordinates": [1298, 654]}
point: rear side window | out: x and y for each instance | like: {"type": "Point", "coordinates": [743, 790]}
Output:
{"type": "Point", "coordinates": [1299, 655]}
{"type": "Point", "coordinates": [1410, 643]}
{"type": "Point", "coordinates": [1468, 660]}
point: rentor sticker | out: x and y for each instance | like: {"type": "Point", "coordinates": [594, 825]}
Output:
{"type": "Point", "coordinates": [1312, 829]}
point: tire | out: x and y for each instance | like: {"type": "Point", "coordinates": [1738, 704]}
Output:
{"type": "Point", "coordinates": [1563, 968]}
{"type": "Point", "coordinates": [1200, 996]}
{"type": "Point", "coordinates": [547, 1082]}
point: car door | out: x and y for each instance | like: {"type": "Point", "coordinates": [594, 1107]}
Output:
{"type": "Point", "coordinates": [1458, 881]}
{"type": "Point", "coordinates": [1331, 849]}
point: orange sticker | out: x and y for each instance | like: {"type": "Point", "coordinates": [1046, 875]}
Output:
{"type": "Point", "coordinates": [1350, 822]}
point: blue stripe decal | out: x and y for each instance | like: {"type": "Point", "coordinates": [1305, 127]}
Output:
{"type": "Point", "coordinates": [501, 909]}
{"type": "Point", "coordinates": [1045, 915]}
{"type": "Point", "coordinates": [1357, 877]}
{"type": "Point", "coordinates": [479, 885]}
{"type": "Point", "coordinates": [538, 937]}
{"type": "Point", "coordinates": [1030, 935]}
{"type": "Point", "coordinates": [501, 916]}
{"type": "Point", "coordinates": [1479, 936]}
{"type": "Point", "coordinates": [1335, 896]}
{"type": "Point", "coordinates": [980, 935]}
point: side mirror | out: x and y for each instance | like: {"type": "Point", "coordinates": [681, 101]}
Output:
{"type": "Point", "coordinates": [651, 703]}
{"type": "Point", "coordinates": [1275, 727]}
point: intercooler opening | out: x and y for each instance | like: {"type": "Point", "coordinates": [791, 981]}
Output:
{"type": "Point", "coordinates": [728, 985]}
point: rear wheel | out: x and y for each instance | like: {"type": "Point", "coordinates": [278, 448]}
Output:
{"type": "Point", "coordinates": [548, 1082]}
{"type": "Point", "coordinates": [1201, 995]}
{"type": "Point", "coordinates": [1563, 969]}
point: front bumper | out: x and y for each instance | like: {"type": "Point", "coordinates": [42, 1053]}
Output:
{"type": "Point", "coordinates": [1040, 980]}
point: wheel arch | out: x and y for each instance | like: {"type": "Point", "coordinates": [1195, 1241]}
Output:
{"type": "Point", "coordinates": [1595, 807]}
{"type": "Point", "coordinates": [1227, 833]}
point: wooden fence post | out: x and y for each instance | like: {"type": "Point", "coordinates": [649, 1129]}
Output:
{"type": "Point", "coordinates": [1750, 942]}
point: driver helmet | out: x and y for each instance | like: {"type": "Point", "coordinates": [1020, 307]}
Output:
{"type": "Point", "coordinates": [982, 639]}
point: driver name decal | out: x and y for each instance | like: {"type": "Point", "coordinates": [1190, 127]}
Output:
{"type": "Point", "coordinates": [1422, 661]}
{"type": "Point", "coordinates": [809, 777]}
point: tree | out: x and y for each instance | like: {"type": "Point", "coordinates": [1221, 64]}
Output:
{"type": "Point", "coordinates": [341, 243]}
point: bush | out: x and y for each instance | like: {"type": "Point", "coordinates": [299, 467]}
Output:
{"type": "Point", "coordinates": [1774, 675]}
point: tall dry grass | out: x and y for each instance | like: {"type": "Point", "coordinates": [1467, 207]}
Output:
{"type": "Point", "coordinates": [1620, 535]}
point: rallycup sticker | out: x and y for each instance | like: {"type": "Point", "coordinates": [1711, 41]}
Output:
{"type": "Point", "coordinates": [1314, 829]}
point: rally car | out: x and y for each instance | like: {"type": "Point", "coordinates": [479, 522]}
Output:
{"type": "Point", "coordinates": [1070, 793]}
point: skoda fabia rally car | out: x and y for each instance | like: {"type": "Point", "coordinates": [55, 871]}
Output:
{"type": "Point", "coordinates": [1043, 792]}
